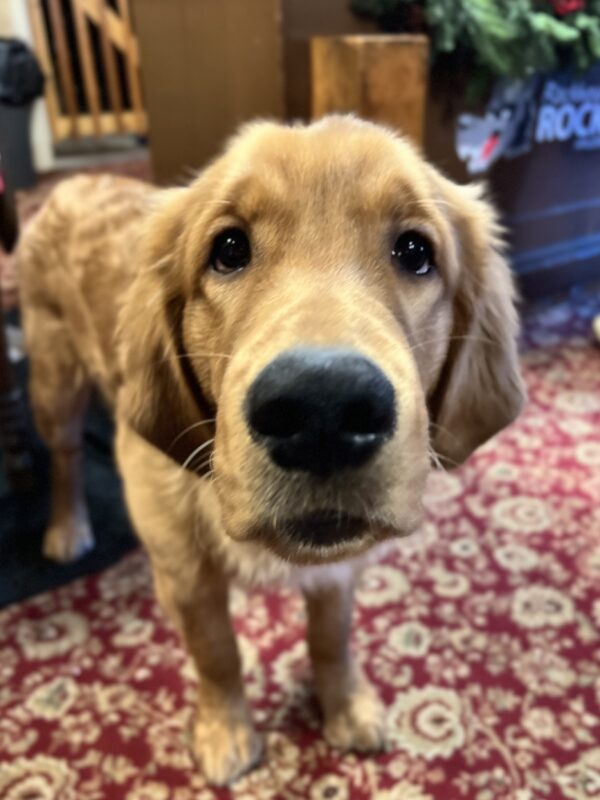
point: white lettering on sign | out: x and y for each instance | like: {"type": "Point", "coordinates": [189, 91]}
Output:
{"type": "Point", "coordinates": [568, 112]}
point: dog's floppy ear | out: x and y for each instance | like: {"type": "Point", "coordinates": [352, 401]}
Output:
{"type": "Point", "coordinates": [480, 390]}
{"type": "Point", "coordinates": [159, 395]}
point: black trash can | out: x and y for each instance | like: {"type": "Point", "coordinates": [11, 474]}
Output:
{"type": "Point", "coordinates": [21, 82]}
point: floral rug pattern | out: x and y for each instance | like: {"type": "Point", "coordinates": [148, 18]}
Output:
{"type": "Point", "coordinates": [481, 633]}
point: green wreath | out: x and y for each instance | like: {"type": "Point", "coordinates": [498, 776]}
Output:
{"type": "Point", "coordinates": [500, 38]}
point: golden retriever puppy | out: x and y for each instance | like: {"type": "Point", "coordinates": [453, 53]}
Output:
{"type": "Point", "coordinates": [301, 334]}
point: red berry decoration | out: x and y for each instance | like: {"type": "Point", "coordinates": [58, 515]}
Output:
{"type": "Point", "coordinates": [563, 7]}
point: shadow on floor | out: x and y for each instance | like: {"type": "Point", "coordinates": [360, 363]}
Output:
{"type": "Point", "coordinates": [23, 517]}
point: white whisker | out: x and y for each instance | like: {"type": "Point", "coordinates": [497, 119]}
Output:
{"type": "Point", "coordinates": [190, 428]}
{"type": "Point", "coordinates": [196, 452]}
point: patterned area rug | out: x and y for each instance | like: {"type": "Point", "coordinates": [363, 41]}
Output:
{"type": "Point", "coordinates": [482, 634]}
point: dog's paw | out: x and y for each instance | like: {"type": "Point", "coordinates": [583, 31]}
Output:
{"type": "Point", "coordinates": [68, 541]}
{"type": "Point", "coordinates": [359, 724]}
{"type": "Point", "coordinates": [226, 750]}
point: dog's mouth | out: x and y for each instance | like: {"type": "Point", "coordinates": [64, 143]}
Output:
{"type": "Point", "coordinates": [324, 535]}
{"type": "Point", "coordinates": [324, 528]}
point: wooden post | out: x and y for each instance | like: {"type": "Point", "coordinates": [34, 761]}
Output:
{"type": "Point", "coordinates": [379, 77]}
{"type": "Point", "coordinates": [42, 51]}
{"type": "Point", "coordinates": [90, 80]}
{"type": "Point", "coordinates": [110, 67]}
{"type": "Point", "coordinates": [133, 66]}
{"type": "Point", "coordinates": [65, 64]}
{"type": "Point", "coordinates": [223, 67]}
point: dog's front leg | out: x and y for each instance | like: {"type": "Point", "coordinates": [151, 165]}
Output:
{"type": "Point", "coordinates": [225, 741]}
{"type": "Point", "coordinates": [353, 715]}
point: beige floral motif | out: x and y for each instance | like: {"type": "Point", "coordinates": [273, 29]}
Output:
{"type": "Point", "coordinates": [53, 635]}
{"type": "Point", "coordinates": [596, 612]}
{"type": "Point", "coordinates": [279, 766]}
{"type": "Point", "coordinates": [502, 471]}
{"type": "Point", "coordinates": [290, 663]}
{"type": "Point", "coordinates": [576, 427]}
{"type": "Point", "coordinates": [405, 790]}
{"type": "Point", "coordinates": [578, 402]}
{"type": "Point", "coordinates": [130, 577]}
{"type": "Point", "coordinates": [521, 514]}
{"type": "Point", "coordinates": [428, 722]}
{"type": "Point", "coordinates": [464, 547]}
{"type": "Point", "coordinates": [254, 674]}
{"type": "Point", "coordinates": [119, 768]}
{"type": "Point", "coordinates": [540, 723]}
{"type": "Point", "coordinates": [418, 543]}
{"type": "Point", "coordinates": [186, 793]}
{"type": "Point", "coordinates": [544, 672]}
{"type": "Point", "coordinates": [447, 667]}
{"type": "Point", "coordinates": [449, 584]}
{"type": "Point", "coordinates": [7, 663]}
{"type": "Point", "coordinates": [169, 745]}
{"type": "Point", "coordinates": [588, 453]}
{"type": "Point", "coordinates": [329, 787]}
{"type": "Point", "coordinates": [52, 700]}
{"type": "Point", "coordinates": [411, 639]}
{"type": "Point", "coordinates": [256, 615]}
{"type": "Point", "coordinates": [13, 739]}
{"type": "Point", "coordinates": [133, 631]}
{"type": "Point", "coordinates": [540, 606]}
{"type": "Point", "coordinates": [152, 790]}
{"type": "Point", "coordinates": [80, 729]}
{"type": "Point", "coordinates": [516, 558]}
{"type": "Point", "coordinates": [442, 487]}
{"type": "Point", "coordinates": [380, 585]}
{"type": "Point", "coordinates": [581, 780]}
{"type": "Point", "coordinates": [589, 562]}
{"type": "Point", "coordinates": [40, 778]}
{"type": "Point", "coordinates": [115, 698]}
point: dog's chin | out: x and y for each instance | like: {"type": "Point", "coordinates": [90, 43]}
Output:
{"type": "Point", "coordinates": [321, 537]}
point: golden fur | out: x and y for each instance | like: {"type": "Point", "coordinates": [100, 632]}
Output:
{"type": "Point", "coordinates": [111, 265]}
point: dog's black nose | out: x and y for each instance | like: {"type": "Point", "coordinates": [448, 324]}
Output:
{"type": "Point", "coordinates": [321, 410]}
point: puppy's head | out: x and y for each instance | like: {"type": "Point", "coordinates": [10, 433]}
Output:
{"type": "Point", "coordinates": [318, 318]}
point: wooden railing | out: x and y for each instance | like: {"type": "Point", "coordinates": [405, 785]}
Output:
{"type": "Point", "coordinates": [89, 54]}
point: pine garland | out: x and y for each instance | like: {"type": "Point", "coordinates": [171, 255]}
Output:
{"type": "Point", "coordinates": [505, 38]}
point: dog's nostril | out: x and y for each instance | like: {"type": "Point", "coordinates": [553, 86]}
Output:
{"type": "Point", "coordinates": [363, 417]}
{"type": "Point", "coordinates": [282, 417]}
{"type": "Point", "coordinates": [321, 410]}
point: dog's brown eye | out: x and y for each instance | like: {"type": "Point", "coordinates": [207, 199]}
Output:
{"type": "Point", "coordinates": [414, 253]}
{"type": "Point", "coordinates": [230, 251]}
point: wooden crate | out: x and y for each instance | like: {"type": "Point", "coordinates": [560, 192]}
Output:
{"type": "Point", "coordinates": [300, 21]}
{"type": "Point", "coordinates": [379, 77]}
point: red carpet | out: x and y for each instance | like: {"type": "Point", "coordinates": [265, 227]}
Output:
{"type": "Point", "coordinates": [482, 634]}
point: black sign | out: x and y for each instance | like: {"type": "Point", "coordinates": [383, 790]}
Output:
{"type": "Point", "coordinates": [563, 107]}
